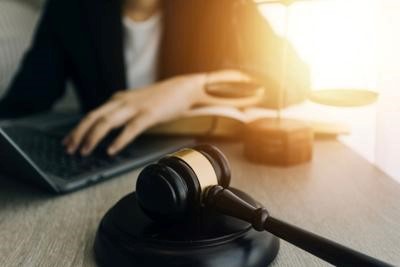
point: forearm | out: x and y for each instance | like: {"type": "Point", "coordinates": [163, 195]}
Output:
{"type": "Point", "coordinates": [296, 88]}
{"type": "Point", "coordinates": [193, 83]}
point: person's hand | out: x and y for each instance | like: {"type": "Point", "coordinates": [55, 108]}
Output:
{"type": "Point", "coordinates": [137, 110]}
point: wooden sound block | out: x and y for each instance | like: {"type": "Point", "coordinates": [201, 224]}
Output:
{"type": "Point", "coordinates": [127, 237]}
{"type": "Point", "coordinates": [281, 142]}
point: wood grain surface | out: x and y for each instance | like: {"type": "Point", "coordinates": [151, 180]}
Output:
{"type": "Point", "coordinates": [338, 195]}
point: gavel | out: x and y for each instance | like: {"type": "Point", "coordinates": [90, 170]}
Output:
{"type": "Point", "coordinates": [175, 186]}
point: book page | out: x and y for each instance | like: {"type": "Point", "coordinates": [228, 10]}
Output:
{"type": "Point", "coordinates": [255, 113]}
{"type": "Point", "coordinates": [219, 111]}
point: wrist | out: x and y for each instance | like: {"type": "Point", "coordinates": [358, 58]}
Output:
{"type": "Point", "coordinates": [198, 83]}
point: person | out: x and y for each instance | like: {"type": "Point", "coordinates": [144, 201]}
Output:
{"type": "Point", "coordinates": [136, 63]}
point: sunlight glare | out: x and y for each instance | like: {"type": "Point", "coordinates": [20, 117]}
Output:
{"type": "Point", "coordinates": [337, 38]}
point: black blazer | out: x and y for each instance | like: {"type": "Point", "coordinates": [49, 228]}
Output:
{"type": "Point", "coordinates": [82, 41]}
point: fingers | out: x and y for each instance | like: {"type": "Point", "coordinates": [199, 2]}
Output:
{"type": "Point", "coordinates": [103, 126]}
{"type": "Point", "coordinates": [74, 139]}
{"type": "Point", "coordinates": [96, 134]}
{"type": "Point", "coordinates": [131, 130]}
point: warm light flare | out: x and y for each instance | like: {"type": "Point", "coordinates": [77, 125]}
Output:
{"type": "Point", "coordinates": [338, 38]}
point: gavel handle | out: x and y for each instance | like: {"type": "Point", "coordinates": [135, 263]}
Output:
{"type": "Point", "coordinates": [321, 247]}
{"type": "Point", "coordinates": [226, 202]}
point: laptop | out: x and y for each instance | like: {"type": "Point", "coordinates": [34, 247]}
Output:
{"type": "Point", "coordinates": [31, 149]}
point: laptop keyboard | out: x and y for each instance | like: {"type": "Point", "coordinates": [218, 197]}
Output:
{"type": "Point", "coordinates": [47, 152]}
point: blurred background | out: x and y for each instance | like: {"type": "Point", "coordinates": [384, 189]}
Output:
{"type": "Point", "coordinates": [351, 44]}
{"type": "Point", "coordinates": [347, 43]}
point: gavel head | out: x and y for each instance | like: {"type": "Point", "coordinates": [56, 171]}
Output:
{"type": "Point", "coordinates": [175, 185]}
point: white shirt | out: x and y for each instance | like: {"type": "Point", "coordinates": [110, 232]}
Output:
{"type": "Point", "coordinates": [141, 47]}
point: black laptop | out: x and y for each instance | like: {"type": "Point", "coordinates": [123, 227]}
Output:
{"type": "Point", "coordinates": [31, 149]}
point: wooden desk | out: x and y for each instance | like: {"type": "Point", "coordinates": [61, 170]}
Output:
{"type": "Point", "coordinates": [338, 195]}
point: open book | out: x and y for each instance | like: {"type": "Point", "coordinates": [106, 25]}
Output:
{"type": "Point", "coordinates": [229, 122]}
